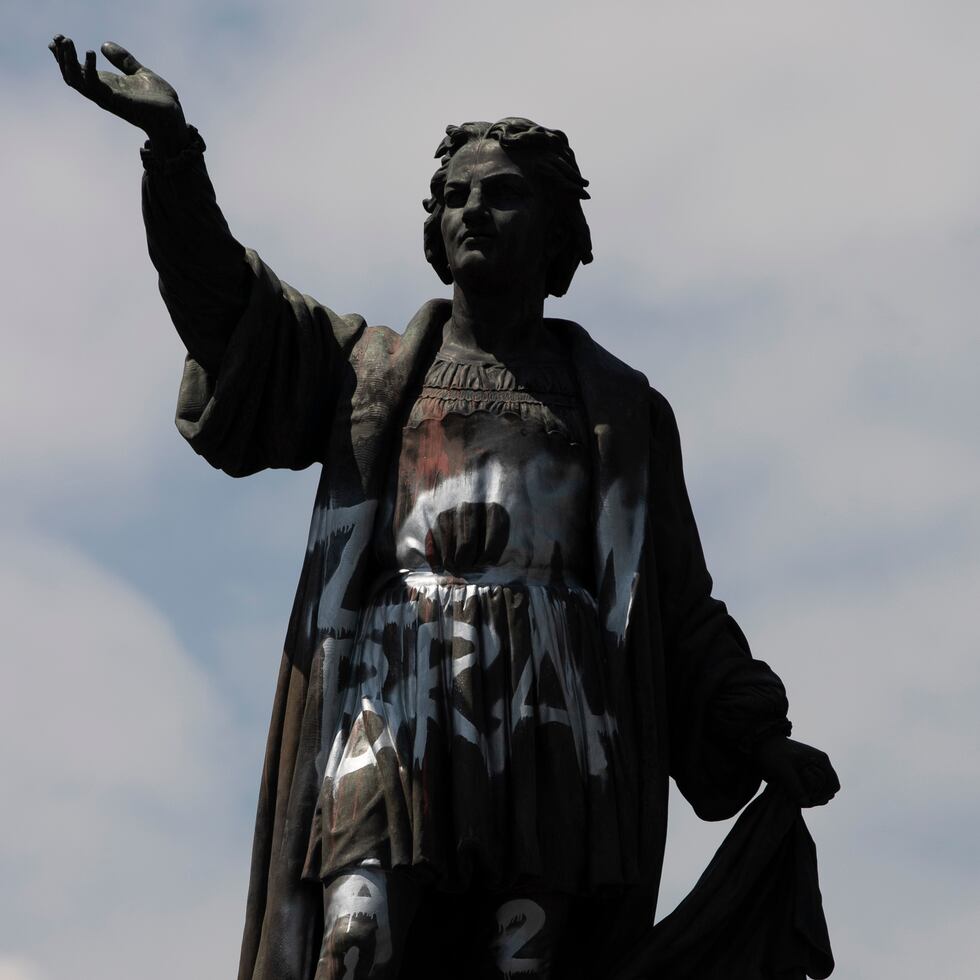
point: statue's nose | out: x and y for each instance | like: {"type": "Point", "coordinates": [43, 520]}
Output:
{"type": "Point", "coordinates": [474, 207]}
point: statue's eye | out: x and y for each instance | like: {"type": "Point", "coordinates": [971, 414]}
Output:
{"type": "Point", "coordinates": [454, 197]}
{"type": "Point", "coordinates": [506, 193]}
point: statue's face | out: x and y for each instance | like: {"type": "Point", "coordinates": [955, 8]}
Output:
{"type": "Point", "coordinates": [495, 219]}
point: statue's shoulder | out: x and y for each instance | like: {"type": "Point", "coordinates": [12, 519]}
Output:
{"type": "Point", "coordinates": [590, 355]}
{"type": "Point", "coordinates": [612, 373]}
{"type": "Point", "coordinates": [380, 345]}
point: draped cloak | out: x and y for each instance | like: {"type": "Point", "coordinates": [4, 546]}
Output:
{"type": "Point", "coordinates": [286, 382]}
{"type": "Point", "coordinates": [299, 384]}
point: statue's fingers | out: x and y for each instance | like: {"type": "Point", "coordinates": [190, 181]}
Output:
{"type": "Point", "coordinates": [833, 781]}
{"type": "Point", "coordinates": [121, 58]}
{"type": "Point", "coordinates": [57, 47]}
{"type": "Point", "coordinates": [70, 68]}
{"type": "Point", "coordinates": [95, 87]}
{"type": "Point", "coordinates": [822, 800]}
{"type": "Point", "coordinates": [89, 72]}
{"type": "Point", "coordinates": [820, 782]}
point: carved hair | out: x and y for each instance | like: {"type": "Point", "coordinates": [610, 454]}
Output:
{"type": "Point", "coordinates": [551, 160]}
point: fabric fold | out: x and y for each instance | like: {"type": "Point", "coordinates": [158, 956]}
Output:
{"type": "Point", "coordinates": [755, 914]}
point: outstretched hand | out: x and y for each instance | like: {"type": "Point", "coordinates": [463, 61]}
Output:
{"type": "Point", "coordinates": [802, 772]}
{"type": "Point", "coordinates": [139, 96]}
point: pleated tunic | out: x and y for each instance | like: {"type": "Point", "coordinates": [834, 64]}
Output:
{"type": "Point", "coordinates": [474, 742]}
{"type": "Point", "coordinates": [500, 784]}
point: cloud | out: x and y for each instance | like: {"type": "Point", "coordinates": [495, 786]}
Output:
{"type": "Point", "coordinates": [18, 968]}
{"type": "Point", "coordinates": [120, 772]}
{"type": "Point", "coordinates": [723, 145]}
{"type": "Point", "coordinates": [90, 359]}
{"type": "Point", "coordinates": [785, 214]}
{"type": "Point", "coordinates": [886, 680]}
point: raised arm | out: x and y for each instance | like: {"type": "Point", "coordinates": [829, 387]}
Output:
{"type": "Point", "coordinates": [265, 364]}
{"type": "Point", "coordinates": [203, 274]}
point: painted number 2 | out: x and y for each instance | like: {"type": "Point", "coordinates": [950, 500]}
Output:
{"type": "Point", "coordinates": [518, 922]}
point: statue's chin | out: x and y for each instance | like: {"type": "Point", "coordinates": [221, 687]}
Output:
{"type": "Point", "coordinates": [487, 273]}
{"type": "Point", "coordinates": [481, 277]}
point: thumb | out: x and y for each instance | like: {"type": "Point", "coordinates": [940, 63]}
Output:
{"type": "Point", "coordinates": [121, 58]}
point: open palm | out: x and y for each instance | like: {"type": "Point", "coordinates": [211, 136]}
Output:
{"type": "Point", "coordinates": [139, 96]}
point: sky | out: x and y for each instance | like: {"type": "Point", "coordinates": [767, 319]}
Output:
{"type": "Point", "coordinates": [786, 219]}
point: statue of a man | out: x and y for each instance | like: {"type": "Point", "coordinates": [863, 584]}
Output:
{"type": "Point", "coordinates": [503, 640]}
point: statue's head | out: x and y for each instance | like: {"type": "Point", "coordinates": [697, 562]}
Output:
{"type": "Point", "coordinates": [506, 201]}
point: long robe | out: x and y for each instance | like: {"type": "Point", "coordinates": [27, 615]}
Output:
{"type": "Point", "coordinates": [279, 380]}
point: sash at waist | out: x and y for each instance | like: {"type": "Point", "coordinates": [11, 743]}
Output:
{"type": "Point", "coordinates": [514, 578]}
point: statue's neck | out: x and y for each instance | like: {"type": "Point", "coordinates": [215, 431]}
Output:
{"type": "Point", "coordinates": [495, 324]}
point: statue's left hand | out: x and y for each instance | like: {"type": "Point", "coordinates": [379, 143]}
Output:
{"type": "Point", "coordinates": [802, 772]}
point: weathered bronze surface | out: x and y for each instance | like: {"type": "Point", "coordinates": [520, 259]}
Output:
{"type": "Point", "coordinates": [503, 641]}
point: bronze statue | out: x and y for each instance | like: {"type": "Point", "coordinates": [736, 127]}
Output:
{"type": "Point", "coordinates": [503, 640]}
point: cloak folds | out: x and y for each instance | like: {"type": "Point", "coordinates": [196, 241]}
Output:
{"type": "Point", "coordinates": [298, 384]}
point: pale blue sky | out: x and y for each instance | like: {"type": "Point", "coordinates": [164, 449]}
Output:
{"type": "Point", "coordinates": [786, 220]}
